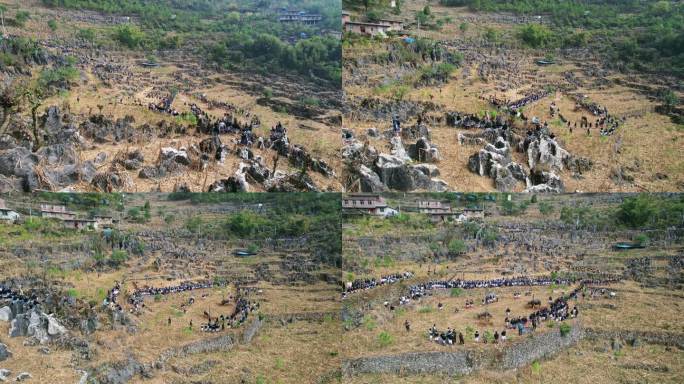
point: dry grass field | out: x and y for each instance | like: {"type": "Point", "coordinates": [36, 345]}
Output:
{"type": "Point", "coordinates": [647, 146]}
{"type": "Point", "coordinates": [298, 341]}
{"type": "Point", "coordinates": [131, 87]}
{"type": "Point", "coordinates": [651, 304]}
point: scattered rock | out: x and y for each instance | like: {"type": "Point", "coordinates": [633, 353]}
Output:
{"type": "Point", "coordinates": [100, 158]}
{"type": "Point", "coordinates": [4, 374]}
{"type": "Point", "coordinates": [4, 352]}
{"type": "Point", "coordinates": [370, 181]}
{"type": "Point", "coordinates": [544, 151]}
{"type": "Point", "coordinates": [170, 154]}
{"type": "Point", "coordinates": [5, 313]}
{"type": "Point", "coordinates": [615, 345]}
{"type": "Point", "coordinates": [542, 181]}
{"type": "Point", "coordinates": [290, 182]}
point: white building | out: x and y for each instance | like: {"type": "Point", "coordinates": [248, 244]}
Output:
{"type": "Point", "coordinates": [7, 214]}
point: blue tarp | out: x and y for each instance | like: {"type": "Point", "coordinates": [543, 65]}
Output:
{"type": "Point", "coordinates": [620, 246]}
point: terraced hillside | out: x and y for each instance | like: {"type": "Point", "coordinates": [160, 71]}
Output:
{"type": "Point", "coordinates": [181, 287]}
{"type": "Point", "coordinates": [615, 259]}
{"type": "Point", "coordinates": [514, 96]}
{"type": "Point", "coordinates": [138, 97]}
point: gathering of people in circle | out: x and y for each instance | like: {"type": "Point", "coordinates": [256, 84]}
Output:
{"type": "Point", "coordinates": [557, 311]}
{"type": "Point", "coordinates": [136, 299]}
{"type": "Point", "coordinates": [243, 308]}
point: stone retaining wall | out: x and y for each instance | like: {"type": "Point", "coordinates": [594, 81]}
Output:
{"type": "Point", "coordinates": [671, 339]}
{"type": "Point", "coordinates": [514, 355]}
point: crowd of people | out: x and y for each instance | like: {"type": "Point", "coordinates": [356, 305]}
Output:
{"type": "Point", "coordinates": [419, 290]}
{"type": "Point", "coordinates": [243, 308]}
{"type": "Point", "coordinates": [605, 123]}
{"type": "Point", "coordinates": [558, 310]}
{"type": "Point", "coordinates": [531, 98]}
{"type": "Point", "coordinates": [164, 106]}
{"type": "Point", "coordinates": [14, 298]}
{"type": "Point", "coordinates": [136, 298]}
{"type": "Point", "coordinates": [238, 316]}
{"type": "Point", "coordinates": [365, 284]}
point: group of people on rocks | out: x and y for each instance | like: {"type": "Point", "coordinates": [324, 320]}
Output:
{"type": "Point", "coordinates": [473, 121]}
{"type": "Point", "coordinates": [8, 295]}
{"type": "Point", "coordinates": [364, 284]}
{"type": "Point", "coordinates": [164, 106]}
{"type": "Point", "coordinates": [605, 123]}
{"type": "Point", "coordinates": [111, 300]}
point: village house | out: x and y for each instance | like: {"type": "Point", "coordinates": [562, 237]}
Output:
{"type": "Point", "coordinates": [471, 214]}
{"type": "Point", "coordinates": [301, 17]}
{"type": "Point", "coordinates": [394, 25]}
{"type": "Point", "coordinates": [80, 224]}
{"type": "Point", "coordinates": [56, 211]}
{"type": "Point", "coordinates": [7, 214]}
{"type": "Point", "coordinates": [433, 206]}
{"type": "Point", "coordinates": [369, 204]}
{"type": "Point", "coordinates": [437, 210]}
{"type": "Point", "coordinates": [370, 29]}
{"type": "Point", "coordinates": [104, 221]}
{"type": "Point", "coordinates": [346, 17]}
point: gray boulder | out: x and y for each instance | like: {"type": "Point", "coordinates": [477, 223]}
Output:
{"type": "Point", "coordinates": [179, 156]}
{"type": "Point", "coordinates": [5, 313]}
{"type": "Point", "coordinates": [430, 170]}
{"type": "Point", "coordinates": [258, 172]}
{"type": "Point", "coordinates": [4, 352]}
{"type": "Point", "coordinates": [370, 181]}
{"type": "Point", "coordinates": [423, 151]}
{"type": "Point", "coordinates": [100, 158]}
{"type": "Point", "coordinates": [290, 182]}
{"type": "Point", "coordinates": [122, 128]}
{"type": "Point", "coordinates": [54, 328]}
{"type": "Point", "coordinates": [544, 182]}
{"type": "Point", "coordinates": [19, 326]}
{"type": "Point", "coordinates": [57, 154]}
{"type": "Point", "coordinates": [23, 377]}
{"type": "Point", "coordinates": [546, 152]}
{"type": "Point", "coordinates": [17, 162]}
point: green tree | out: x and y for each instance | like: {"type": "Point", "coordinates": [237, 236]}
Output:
{"type": "Point", "coordinates": [118, 257]}
{"type": "Point", "coordinates": [130, 36]}
{"type": "Point", "coordinates": [636, 211]}
{"type": "Point", "coordinates": [545, 208]}
{"type": "Point", "coordinates": [194, 224]}
{"type": "Point", "coordinates": [535, 35]}
{"type": "Point", "coordinates": [456, 247]}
